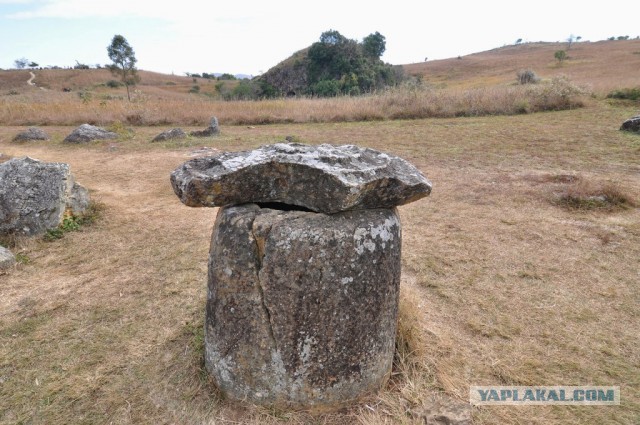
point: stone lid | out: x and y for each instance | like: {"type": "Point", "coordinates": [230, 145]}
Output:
{"type": "Point", "coordinates": [322, 178]}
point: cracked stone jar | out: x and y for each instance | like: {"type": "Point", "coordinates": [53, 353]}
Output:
{"type": "Point", "coordinates": [302, 306]}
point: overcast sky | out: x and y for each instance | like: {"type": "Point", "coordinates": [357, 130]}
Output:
{"type": "Point", "coordinates": [251, 36]}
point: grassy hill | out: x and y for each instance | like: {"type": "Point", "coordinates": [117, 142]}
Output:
{"type": "Point", "coordinates": [602, 65]}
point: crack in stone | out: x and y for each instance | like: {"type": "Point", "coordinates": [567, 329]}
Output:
{"type": "Point", "coordinates": [260, 254]}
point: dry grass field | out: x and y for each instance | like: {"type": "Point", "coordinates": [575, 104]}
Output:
{"type": "Point", "coordinates": [521, 268]}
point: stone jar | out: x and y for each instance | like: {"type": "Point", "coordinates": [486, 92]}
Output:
{"type": "Point", "coordinates": [304, 269]}
{"type": "Point", "coordinates": [302, 306]}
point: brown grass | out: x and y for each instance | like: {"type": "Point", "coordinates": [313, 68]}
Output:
{"type": "Point", "coordinates": [98, 107]}
{"type": "Point", "coordinates": [500, 286]}
{"type": "Point", "coordinates": [603, 65]}
{"type": "Point", "coordinates": [474, 85]}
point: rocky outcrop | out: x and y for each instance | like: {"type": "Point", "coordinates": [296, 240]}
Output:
{"type": "Point", "coordinates": [86, 133]}
{"type": "Point", "coordinates": [35, 195]}
{"type": "Point", "coordinates": [632, 124]}
{"type": "Point", "coordinates": [302, 307]}
{"type": "Point", "coordinates": [31, 134]}
{"type": "Point", "coordinates": [212, 130]}
{"type": "Point", "coordinates": [7, 259]}
{"type": "Point", "coordinates": [321, 178]}
{"type": "Point", "coordinates": [173, 134]}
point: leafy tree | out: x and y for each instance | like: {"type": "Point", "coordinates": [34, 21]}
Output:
{"type": "Point", "coordinates": [124, 62]}
{"type": "Point", "coordinates": [21, 63]}
{"type": "Point", "coordinates": [33, 64]}
{"type": "Point", "coordinates": [354, 67]}
{"type": "Point", "coordinates": [560, 55]}
{"type": "Point", "coordinates": [332, 37]}
{"type": "Point", "coordinates": [374, 45]}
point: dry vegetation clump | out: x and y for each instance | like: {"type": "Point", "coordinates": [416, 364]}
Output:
{"type": "Point", "coordinates": [586, 195]}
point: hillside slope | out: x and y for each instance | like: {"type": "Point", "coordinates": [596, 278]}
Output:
{"type": "Point", "coordinates": [603, 65]}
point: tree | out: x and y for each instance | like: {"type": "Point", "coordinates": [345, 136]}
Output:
{"type": "Point", "coordinates": [124, 62]}
{"type": "Point", "coordinates": [560, 55]}
{"type": "Point", "coordinates": [21, 63]}
{"type": "Point", "coordinates": [33, 64]}
{"type": "Point", "coordinates": [374, 45]}
{"type": "Point", "coordinates": [332, 37]}
{"type": "Point", "coordinates": [570, 40]}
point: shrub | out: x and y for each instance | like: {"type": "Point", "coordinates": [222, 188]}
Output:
{"type": "Point", "coordinates": [560, 55]}
{"type": "Point", "coordinates": [626, 94]}
{"type": "Point", "coordinates": [114, 84]}
{"type": "Point", "coordinates": [559, 94]}
{"type": "Point", "coordinates": [244, 91]}
{"type": "Point", "coordinates": [527, 76]}
{"type": "Point", "coordinates": [327, 88]}
{"type": "Point", "coordinates": [195, 89]}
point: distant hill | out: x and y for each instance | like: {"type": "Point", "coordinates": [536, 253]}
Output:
{"type": "Point", "coordinates": [332, 66]}
{"type": "Point", "coordinates": [602, 65]}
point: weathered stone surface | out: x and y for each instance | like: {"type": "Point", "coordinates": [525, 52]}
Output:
{"type": "Point", "coordinates": [32, 133]}
{"type": "Point", "coordinates": [174, 133]}
{"type": "Point", "coordinates": [35, 195]}
{"type": "Point", "coordinates": [321, 178]}
{"type": "Point", "coordinates": [7, 259]}
{"type": "Point", "coordinates": [302, 307]}
{"type": "Point", "coordinates": [632, 124]}
{"type": "Point", "coordinates": [87, 133]}
{"type": "Point", "coordinates": [212, 130]}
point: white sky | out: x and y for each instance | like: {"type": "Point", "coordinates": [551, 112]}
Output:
{"type": "Point", "coordinates": [251, 36]}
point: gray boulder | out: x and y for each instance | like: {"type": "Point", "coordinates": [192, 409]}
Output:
{"type": "Point", "coordinates": [34, 196]}
{"type": "Point", "coordinates": [174, 133]}
{"type": "Point", "coordinates": [632, 124]}
{"type": "Point", "coordinates": [7, 259]}
{"type": "Point", "coordinates": [302, 307]}
{"type": "Point", "coordinates": [212, 130]}
{"type": "Point", "coordinates": [323, 178]}
{"type": "Point", "coordinates": [32, 133]}
{"type": "Point", "coordinates": [86, 133]}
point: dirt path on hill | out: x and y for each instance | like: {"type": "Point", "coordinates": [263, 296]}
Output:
{"type": "Point", "coordinates": [30, 81]}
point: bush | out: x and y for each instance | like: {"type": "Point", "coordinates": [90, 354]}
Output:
{"type": "Point", "coordinates": [560, 55]}
{"type": "Point", "coordinates": [559, 94]}
{"type": "Point", "coordinates": [245, 90]}
{"type": "Point", "coordinates": [114, 84]}
{"type": "Point", "coordinates": [626, 94]}
{"type": "Point", "coordinates": [527, 76]}
{"type": "Point", "coordinates": [327, 88]}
